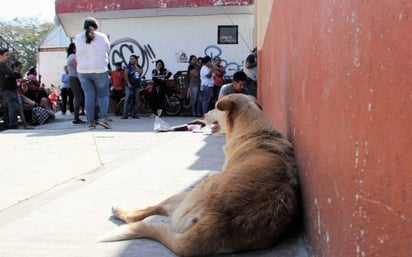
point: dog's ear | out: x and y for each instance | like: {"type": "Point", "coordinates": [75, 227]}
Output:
{"type": "Point", "coordinates": [225, 104]}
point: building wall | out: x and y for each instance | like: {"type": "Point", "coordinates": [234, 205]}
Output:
{"type": "Point", "coordinates": [335, 76]}
{"type": "Point", "coordinates": [51, 56]}
{"type": "Point", "coordinates": [174, 39]}
{"type": "Point", "coordinates": [50, 63]}
{"type": "Point", "coordinates": [171, 31]}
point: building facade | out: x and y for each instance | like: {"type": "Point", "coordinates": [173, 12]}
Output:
{"type": "Point", "coordinates": [167, 30]}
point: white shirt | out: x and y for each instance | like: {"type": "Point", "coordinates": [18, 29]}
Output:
{"type": "Point", "coordinates": [205, 80]}
{"type": "Point", "coordinates": [93, 57]}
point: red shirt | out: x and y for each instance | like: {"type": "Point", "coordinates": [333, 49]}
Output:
{"type": "Point", "coordinates": [118, 80]}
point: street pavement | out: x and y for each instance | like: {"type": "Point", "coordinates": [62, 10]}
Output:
{"type": "Point", "coordinates": [59, 182]}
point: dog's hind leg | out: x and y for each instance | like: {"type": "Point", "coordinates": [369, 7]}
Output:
{"type": "Point", "coordinates": [159, 231]}
{"type": "Point", "coordinates": [164, 208]}
{"type": "Point", "coordinates": [180, 244]}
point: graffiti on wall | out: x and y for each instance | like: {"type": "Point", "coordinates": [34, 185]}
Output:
{"type": "Point", "coordinates": [230, 66]}
{"type": "Point", "coordinates": [121, 50]}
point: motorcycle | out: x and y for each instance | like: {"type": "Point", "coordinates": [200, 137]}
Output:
{"type": "Point", "coordinates": [172, 104]}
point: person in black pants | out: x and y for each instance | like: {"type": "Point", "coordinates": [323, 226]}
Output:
{"type": "Point", "coordinates": [66, 92]}
{"type": "Point", "coordinates": [159, 76]}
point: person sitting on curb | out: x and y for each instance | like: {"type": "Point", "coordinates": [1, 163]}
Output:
{"type": "Point", "coordinates": [44, 112]}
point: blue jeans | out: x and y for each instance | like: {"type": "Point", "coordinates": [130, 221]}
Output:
{"type": "Point", "coordinates": [135, 92]}
{"type": "Point", "coordinates": [195, 101]}
{"type": "Point", "coordinates": [96, 91]}
{"type": "Point", "coordinates": [11, 108]}
{"type": "Point", "coordinates": [206, 96]}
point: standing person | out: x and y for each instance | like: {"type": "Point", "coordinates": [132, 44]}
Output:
{"type": "Point", "coordinates": [218, 72]}
{"type": "Point", "coordinates": [118, 86]}
{"type": "Point", "coordinates": [159, 76]}
{"type": "Point", "coordinates": [250, 68]}
{"type": "Point", "coordinates": [194, 86]}
{"type": "Point", "coordinates": [8, 84]}
{"type": "Point", "coordinates": [74, 83]}
{"type": "Point", "coordinates": [132, 74]}
{"type": "Point", "coordinates": [66, 92]}
{"type": "Point", "coordinates": [92, 48]}
{"type": "Point", "coordinates": [206, 85]}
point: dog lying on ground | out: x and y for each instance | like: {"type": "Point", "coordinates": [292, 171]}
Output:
{"type": "Point", "coordinates": [247, 206]}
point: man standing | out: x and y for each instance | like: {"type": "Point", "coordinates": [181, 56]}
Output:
{"type": "Point", "coordinates": [250, 68]}
{"type": "Point", "coordinates": [206, 83]}
{"type": "Point", "coordinates": [8, 84]}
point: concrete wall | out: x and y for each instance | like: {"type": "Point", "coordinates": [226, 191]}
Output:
{"type": "Point", "coordinates": [336, 77]}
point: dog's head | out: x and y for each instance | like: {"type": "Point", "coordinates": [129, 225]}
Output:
{"type": "Point", "coordinates": [233, 110]}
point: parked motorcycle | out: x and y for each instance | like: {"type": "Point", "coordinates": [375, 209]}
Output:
{"type": "Point", "coordinates": [172, 104]}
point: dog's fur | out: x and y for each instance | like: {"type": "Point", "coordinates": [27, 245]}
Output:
{"type": "Point", "coordinates": [247, 206]}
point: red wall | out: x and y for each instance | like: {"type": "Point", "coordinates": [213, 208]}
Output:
{"type": "Point", "coordinates": [336, 76]}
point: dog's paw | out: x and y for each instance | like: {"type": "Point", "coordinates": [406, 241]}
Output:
{"type": "Point", "coordinates": [122, 214]}
{"type": "Point", "coordinates": [118, 212]}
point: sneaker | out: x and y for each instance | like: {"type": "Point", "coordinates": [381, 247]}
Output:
{"type": "Point", "coordinates": [135, 117]}
{"type": "Point", "coordinates": [79, 121]}
{"type": "Point", "coordinates": [104, 123]}
{"type": "Point", "coordinates": [124, 118]}
{"type": "Point", "coordinates": [92, 125]}
{"type": "Point", "coordinates": [159, 112]}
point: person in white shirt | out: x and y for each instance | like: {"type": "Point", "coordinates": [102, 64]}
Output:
{"type": "Point", "coordinates": [92, 56]}
{"type": "Point", "coordinates": [206, 83]}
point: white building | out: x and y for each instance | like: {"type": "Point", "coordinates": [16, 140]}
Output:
{"type": "Point", "coordinates": [159, 30]}
{"type": "Point", "coordinates": [51, 56]}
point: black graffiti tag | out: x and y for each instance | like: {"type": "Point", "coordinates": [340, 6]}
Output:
{"type": "Point", "coordinates": [121, 49]}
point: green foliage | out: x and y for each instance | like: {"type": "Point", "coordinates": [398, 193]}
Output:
{"type": "Point", "coordinates": [24, 36]}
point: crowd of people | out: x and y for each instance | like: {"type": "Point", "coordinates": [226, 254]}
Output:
{"type": "Point", "coordinates": [207, 83]}
{"type": "Point", "coordinates": [22, 93]}
{"type": "Point", "coordinates": [89, 86]}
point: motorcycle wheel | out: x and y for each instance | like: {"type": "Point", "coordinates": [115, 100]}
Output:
{"type": "Point", "coordinates": [173, 106]}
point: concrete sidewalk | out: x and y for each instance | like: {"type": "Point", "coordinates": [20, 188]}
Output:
{"type": "Point", "coordinates": [59, 182]}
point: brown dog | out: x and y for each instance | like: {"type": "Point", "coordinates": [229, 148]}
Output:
{"type": "Point", "coordinates": [248, 206]}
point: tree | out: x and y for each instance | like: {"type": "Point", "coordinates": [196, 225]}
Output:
{"type": "Point", "coordinates": [24, 36]}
